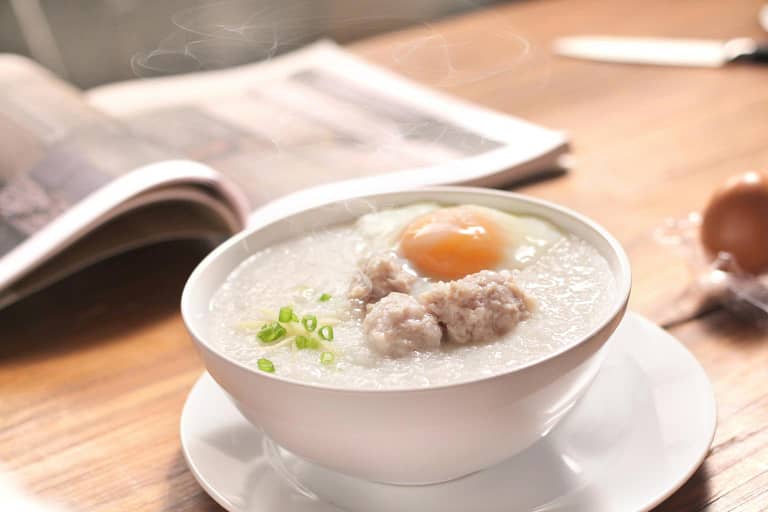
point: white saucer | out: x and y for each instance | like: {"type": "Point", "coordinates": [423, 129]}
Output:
{"type": "Point", "coordinates": [636, 437]}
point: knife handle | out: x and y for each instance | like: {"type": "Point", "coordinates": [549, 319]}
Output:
{"type": "Point", "coordinates": [758, 53]}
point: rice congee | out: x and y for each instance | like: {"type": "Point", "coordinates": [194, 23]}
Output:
{"type": "Point", "coordinates": [416, 296]}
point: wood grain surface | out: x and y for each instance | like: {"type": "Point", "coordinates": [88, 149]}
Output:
{"type": "Point", "coordinates": [94, 372]}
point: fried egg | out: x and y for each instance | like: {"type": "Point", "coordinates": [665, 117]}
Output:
{"type": "Point", "coordinates": [452, 242]}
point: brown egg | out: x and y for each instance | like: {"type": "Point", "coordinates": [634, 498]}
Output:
{"type": "Point", "coordinates": [736, 221]}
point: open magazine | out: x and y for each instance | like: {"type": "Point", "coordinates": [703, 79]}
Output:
{"type": "Point", "coordinates": [86, 175]}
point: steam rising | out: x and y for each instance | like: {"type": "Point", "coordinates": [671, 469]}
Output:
{"type": "Point", "coordinates": [230, 33]}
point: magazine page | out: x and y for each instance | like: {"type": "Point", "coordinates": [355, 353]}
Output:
{"type": "Point", "coordinates": [54, 150]}
{"type": "Point", "coordinates": [66, 168]}
{"type": "Point", "coordinates": [321, 115]}
{"type": "Point", "coordinates": [118, 197]}
{"type": "Point", "coordinates": [180, 213]}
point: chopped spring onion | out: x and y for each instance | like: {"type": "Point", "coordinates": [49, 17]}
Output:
{"type": "Point", "coordinates": [286, 314]}
{"type": "Point", "coordinates": [266, 365]}
{"type": "Point", "coordinates": [271, 332]}
{"type": "Point", "coordinates": [326, 332]}
{"type": "Point", "coordinates": [304, 342]}
{"type": "Point", "coordinates": [324, 297]}
{"type": "Point", "coordinates": [309, 322]}
{"type": "Point", "coordinates": [313, 336]}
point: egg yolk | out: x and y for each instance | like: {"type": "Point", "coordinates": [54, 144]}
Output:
{"type": "Point", "coordinates": [451, 243]}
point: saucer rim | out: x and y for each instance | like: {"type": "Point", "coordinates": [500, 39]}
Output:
{"type": "Point", "coordinates": [710, 405]}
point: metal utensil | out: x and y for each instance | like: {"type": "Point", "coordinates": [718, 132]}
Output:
{"type": "Point", "coordinates": [663, 51]}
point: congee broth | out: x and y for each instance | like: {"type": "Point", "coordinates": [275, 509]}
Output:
{"type": "Point", "coordinates": [415, 296]}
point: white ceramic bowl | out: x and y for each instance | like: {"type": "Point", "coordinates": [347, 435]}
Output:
{"type": "Point", "coordinates": [410, 436]}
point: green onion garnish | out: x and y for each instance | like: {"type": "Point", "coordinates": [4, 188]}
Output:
{"type": "Point", "coordinates": [326, 332]}
{"type": "Point", "coordinates": [279, 332]}
{"type": "Point", "coordinates": [286, 313]}
{"type": "Point", "coordinates": [324, 297]}
{"type": "Point", "coordinates": [271, 332]}
{"type": "Point", "coordinates": [309, 322]}
{"type": "Point", "coordinates": [266, 365]}
{"type": "Point", "coordinates": [304, 342]}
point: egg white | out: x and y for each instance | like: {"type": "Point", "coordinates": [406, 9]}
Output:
{"type": "Point", "coordinates": [526, 238]}
{"type": "Point", "coordinates": [381, 230]}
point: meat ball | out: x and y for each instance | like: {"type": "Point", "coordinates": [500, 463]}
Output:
{"type": "Point", "coordinates": [380, 275]}
{"type": "Point", "coordinates": [478, 307]}
{"type": "Point", "coordinates": [398, 324]}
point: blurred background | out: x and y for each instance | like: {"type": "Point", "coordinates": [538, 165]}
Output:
{"type": "Point", "coordinates": [92, 42]}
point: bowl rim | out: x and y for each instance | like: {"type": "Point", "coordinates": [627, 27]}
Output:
{"type": "Point", "coordinates": [623, 285]}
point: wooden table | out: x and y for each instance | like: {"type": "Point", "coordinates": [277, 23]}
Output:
{"type": "Point", "coordinates": [94, 372]}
